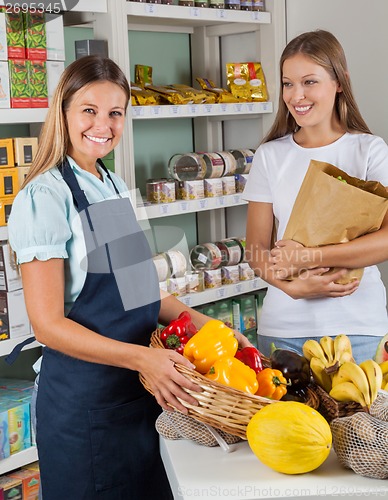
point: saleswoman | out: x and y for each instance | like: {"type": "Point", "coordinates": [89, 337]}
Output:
{"type": "Point", "coordinates": [93, 299]}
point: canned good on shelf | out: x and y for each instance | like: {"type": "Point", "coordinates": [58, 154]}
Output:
{"type": "Point", "coordinates": [230, 252]}
{"type": "Point", "coordinates": [214, 165]}
{"type": "Point", "coordinates": [212, 187]}
{"type": "Point", "coordinates": [162, 266]}
{"type": "Point", "coordinates": [160, 190]}
{"type": "Point", "coordinates": [190, 190]}
{"type": "Point", "coordinates": [241, 180]}
{"type": "Point", "coordinates": [177, 263]}
{"type": "Point", "coordinates": [230, 275]}
{"type": "Point", "coordinates": [228, 185]}
{"type": "Point", "coordinates": [245, 271]}
{"type": "Point", "coordinates": [177, 286]}
{"type": "Point", "coordinates": [242, 242]}
{"type": "Point", "coordinates": [243, 159]}
{"type": "Point", "coordinates": [205, 256]}
{"type": "Point", "coordinates": [213, 278]}
{"type": "Point", "coordinates": [195, 281]}
{"type": "Point", "coordinates": [230, 164]}
{"type": "Point", "coordinates": [187, 167]}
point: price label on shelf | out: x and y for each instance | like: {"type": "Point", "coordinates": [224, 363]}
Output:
{"type": "Point", "coordinates": [238, 107]}
{"type": "Point", "coordinates": [183, 206]}
{"type": "Point", "coordinates": [193, 108]}
{"type": "Point", "coordinates": [250, 106]}
{"type": "Point", "coordinates": [195, 12]}
{"type": "Point", "coordinates": [238, 288]}
{"type": "Point", "coordinates": [220, 293]}
{"type": "Point", "coordinates": [208, 108]}
{"type": "Point", "coordinates": [175, 110]}
{"type": "Point", "coordinates": [186, 299]}
{"type": "Point", "coordinates": [137, 110]}
{"type": "Point", "coordinates": [164, 209]}
{"type": "Point", "coordinates": [156, 110]}
{"type": "Point", "coordinates": [151, 8]}
{"type": "Point", "coordinates": [220, 201]}
{"type": "Point", "coordinates": [237, 198]}
{"type": "Point", "coordinates": [224, 107]}
{"type": "Point", "coordinates": [222, 14]}
{"type": "Point", "coordinates": [202, 204]}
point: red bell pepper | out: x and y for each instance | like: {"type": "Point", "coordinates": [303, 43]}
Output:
{"type": "Point", "coordinates": [176, 334]}
{"type": "Point", "coordinates": [251, 357]}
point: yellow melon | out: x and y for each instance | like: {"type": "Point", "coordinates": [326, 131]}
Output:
{"type": "Point", "coordinates": [289, 437]}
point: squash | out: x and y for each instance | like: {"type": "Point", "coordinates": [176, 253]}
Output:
{"type": "Point", "coordinates": [289, 437]}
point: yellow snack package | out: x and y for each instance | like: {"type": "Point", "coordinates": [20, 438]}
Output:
{"type": "Point", "coordinates": [222, 95]}
{"type": "Point", "coordinates": [143, 75]}
{"type": "Point", "coordinates": [246, 81]}
{"type": "Point", "coordinates": [196, 96]}
{"type": "Point", "coordinates": [144, 97]}
{"type": "Point", "coordinates": [173, 96]}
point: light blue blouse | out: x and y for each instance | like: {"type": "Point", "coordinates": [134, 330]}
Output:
{"type": "Point", "coordinates": [44, 223]}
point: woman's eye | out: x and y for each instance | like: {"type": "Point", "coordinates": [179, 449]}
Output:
{"type": "Point", "coordinates": [88, 110]}
{"type": "Point", "coordinates": [310, 82]}
{"type": "Point", "coordinates": [286, 84]}
{"type": "Point", "coordinates": [116, 113]}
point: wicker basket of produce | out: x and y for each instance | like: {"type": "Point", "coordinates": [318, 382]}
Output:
{"type": "Point", "coordinates": [220, 406]}
{"type": "Point", "coordinates": [332, 409]}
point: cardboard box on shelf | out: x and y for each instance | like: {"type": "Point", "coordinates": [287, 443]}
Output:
{"type": "Point", "coordinates": [35, 35]}
{"type": "Point", "coordinates": [37, 82]}
{"type": "Point", "coordinates": [25, 149]}
{"type": "Point", "coordinates": [244, 312]}
{"type": "Point", "coordinates": [19, 86]}
{"type": "Point", "coordinates": [15, 33]}
{"type": "Point", "coordinates": [10, 488]}
{"type": "Point", "coordinates": [55, 37]}
{"type": "Point", "coordinates": [22, 174]}
{"type": "Point", "coordinates": [13, 315]}
{"type": "Point", "coordinates": [5, 209]}
{"type": "Point", "coordinates": [5, 450]}
{"type": "Point", "coordinates": [30, 481]}
{"type": "Point", "coordinates": [9, 182]}
{"type": "Point", "coordinates": [54, 71]}
{"type": "Point", "coordinates": [6, 153]}
{"type": "Point", "coordinates": [10, 278]}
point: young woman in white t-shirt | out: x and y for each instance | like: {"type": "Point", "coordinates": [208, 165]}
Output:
{"type": "Point", "coordinates": [318, 118]}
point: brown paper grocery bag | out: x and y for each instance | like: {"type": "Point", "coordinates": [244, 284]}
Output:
{"type": "Point", "coordinates": [328, 211]}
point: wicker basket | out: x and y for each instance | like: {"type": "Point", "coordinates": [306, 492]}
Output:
{"type": "Point", "coordinates": [331, 409]}
{"type": "Point", "coordinates": [220, 406]}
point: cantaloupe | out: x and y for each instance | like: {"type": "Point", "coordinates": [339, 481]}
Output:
{"type": "Point", "coordinates": [289, 437]}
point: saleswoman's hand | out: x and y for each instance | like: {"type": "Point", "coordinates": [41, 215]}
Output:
{"type": "Point", "coordinates": [166, 383]}
{"type": "Point", "coordinates": [314, 283]}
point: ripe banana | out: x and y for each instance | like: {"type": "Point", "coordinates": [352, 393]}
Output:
{"type": "Point", "coordinates": [341, 345]}
{"type": "Point", "coordinates": [351, 372]}
{"type": "Point", "coordinates": [384, 367]}
{"type": "Point", "coordinates": [327, 344]}
{"type": "Point", "coordinates": [347, 391]}
{"type": "Point", "coordinates": [312, 349]}
{"type": "Point", "coordinates": [374, 375]}
{"type": "Point", "coordinates": [385, 386]}
{"type": "Point", "coordinates": [319, 374]}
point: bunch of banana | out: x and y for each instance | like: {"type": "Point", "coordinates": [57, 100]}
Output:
{"type": "Point", "coordinates": [384, 370]}
{"type": "Point", "coordinates": [358, 383]}
{"type": "Point", "coordinates": [326, 356]}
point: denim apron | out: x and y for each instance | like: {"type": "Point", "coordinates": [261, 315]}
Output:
{"type": "Point", "coordinates": [96, 423]}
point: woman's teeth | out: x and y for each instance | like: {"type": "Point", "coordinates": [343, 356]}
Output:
{"type": "Point", "coordinates": [100, 140]}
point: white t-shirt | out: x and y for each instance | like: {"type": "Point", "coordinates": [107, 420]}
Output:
{"type": "Point", "coordinates": [277, 172]}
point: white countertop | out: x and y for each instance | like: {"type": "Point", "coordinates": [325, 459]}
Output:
{"type": "Point", "coordinates": [200, 472]}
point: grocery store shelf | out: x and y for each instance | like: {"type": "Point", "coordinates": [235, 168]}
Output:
{"type": "Point", "coordinates": [18, 460]}
{"type": "Point", "coordinates": [150, 13]}
{"type": "Point", "coordinates": [189, 206]}
{"type": "Point", "coordinates": [197, 110]}
{"type": "Point", "coordinates": [223, 292]}
{"type": "Point", "coordinates": [23, 115]}
{"type": "Point", "coordinates": [6, 346]}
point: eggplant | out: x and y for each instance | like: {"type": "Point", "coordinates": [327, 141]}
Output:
{"type": "Point", "coordinates": [294, 367]}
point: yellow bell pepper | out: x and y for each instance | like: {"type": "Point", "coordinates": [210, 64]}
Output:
{"type": "Point", "coordinates": [233, 373]}
{"type": "Point", "coordinates": [213, 341]}
{"type": "Point", "coordinates": [272, 384]}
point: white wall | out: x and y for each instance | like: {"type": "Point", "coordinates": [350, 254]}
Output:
{"type": "Point", "coordinates": [361, 27]}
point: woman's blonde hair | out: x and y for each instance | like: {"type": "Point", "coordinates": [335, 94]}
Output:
{"type": "Point", "coordinates": [54, 136]}
{"type": "Point", "coordinates": [324, 49]}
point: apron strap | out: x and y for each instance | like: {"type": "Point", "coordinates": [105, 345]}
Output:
{"type": "Point", "coordinates": [17, 349]}
{"type": "Point", "coordinates": [80, 200]}
{"type": "Point", "coordinates": [100, 162]}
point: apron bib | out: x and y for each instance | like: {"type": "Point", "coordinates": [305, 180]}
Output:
{"type": "Point", "coordinates": [96, 423]}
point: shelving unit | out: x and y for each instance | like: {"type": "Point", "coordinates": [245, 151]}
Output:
{"type": "Point", "coordinates": [208, 28]}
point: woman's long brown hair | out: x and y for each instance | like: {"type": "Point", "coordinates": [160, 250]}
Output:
{"type": "Point", "coordinates": [54, 136]}
{"type": "Point", "coordinates": [324, 49]}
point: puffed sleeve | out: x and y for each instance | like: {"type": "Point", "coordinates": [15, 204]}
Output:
{"type": "Point", "coordinates": [38, 226]}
